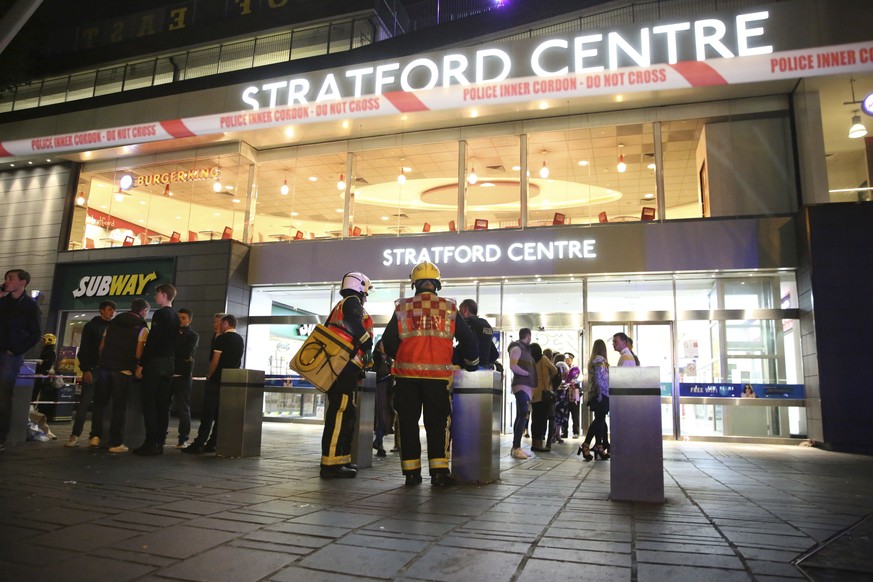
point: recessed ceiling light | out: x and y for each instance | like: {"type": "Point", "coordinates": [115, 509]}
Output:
{"type": "Point", "coordinates": [516, 168]}
{"type": "Point", "coordinates": [313, 178]}
{"type": "Point", "coordinates": [295, 213]}
{"type": "Point", "coordinates": [583, 162]}
{"type": "Point", "coordinates": [648, 196]}
{"type": "Point", "coordinates": [339, 209]}
{"type": "Point", "coordinates": [236, 200]}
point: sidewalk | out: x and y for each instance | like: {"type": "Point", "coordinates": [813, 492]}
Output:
{"type": "Point", "coordinates": [733, 512]}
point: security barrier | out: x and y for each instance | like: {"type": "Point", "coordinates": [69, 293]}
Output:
{"type": "Point", "coordinates": [476, 408]}
{"type": "Point", "coordinates": [637, 449]}
{"type": "Point", "coordinates": [240, 413]}
{"type": "Point", "coordinates": [362, 445]}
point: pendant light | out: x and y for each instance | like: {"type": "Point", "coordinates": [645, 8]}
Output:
{"type": "Point", "coordinates": [857, 130]}
{"type": "Point", "coordinates": [544, 171]}
{"type": "Point", "coordinates": [283, 189]}
{"type": "Point", "coordinates": [621, 167]}
{"type": "Point", "coordinates": [341, 183]}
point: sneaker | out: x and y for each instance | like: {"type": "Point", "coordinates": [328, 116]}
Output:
{"type": "Point", "coordinates": [118, 449]}
{"type": "Point", "coordinates": [519, 454]}
{"type": "Point", "coordinates": [73, 441]}
{"type": "Point", "coordinates": [182, 443]}
{"type": "Point", "coordinates": [94, 442]}
{"type": "Point", "coordinates": [51, 435]}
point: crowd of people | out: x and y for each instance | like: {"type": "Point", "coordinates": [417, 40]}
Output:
{"type": "Point", "coordinates": [427, 338]}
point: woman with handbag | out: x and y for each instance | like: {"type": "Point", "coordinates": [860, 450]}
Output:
{"type": "Point", "coordinates": [597, 399]}
{"type": "Point", "coordinates": [542, 399]}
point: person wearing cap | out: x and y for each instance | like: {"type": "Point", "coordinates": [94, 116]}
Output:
{"type": "Point", "coordinates": [19, 331]}
{"type": "Point", "coordinates": [419, 338]}
{"type": "Point", "coordinates": [351, 321]}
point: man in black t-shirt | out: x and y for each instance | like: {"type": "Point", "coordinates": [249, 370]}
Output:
{"type": "Point", "coordinates": [182, 374]}
{"type": "Point", "coordinates": [227, 352]}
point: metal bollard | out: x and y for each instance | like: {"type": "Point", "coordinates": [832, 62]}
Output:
{"type": "Point", "coordinates": [362, 445]}
{"type": "Point", "coordinates": [637, 448]}
{"type": "Point", "coordinates": [475, 430]}
{"type": "Point", "coordinates": [240, 413]}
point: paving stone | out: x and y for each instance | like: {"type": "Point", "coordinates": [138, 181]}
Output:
{"type": "Point", "coordinates": [343, 559]}
{"type": "Point", "coordinates": [175, 542]}
{"type": "Point", "coordinates": [288, 539]}
{"type": "Point", "coordinates": [536, 570]}
{"type": "Point", "coordinates": [91, 568]}
{"type": "Point", "coordinates": [83, 537]}
{"type": "Point", "coordinates": [229, 564]}
{"type": "Point", "coordinates": [674, 573]}
{"type": "Point", "coordinates": [195, 507]}
{"type": "Point", "coordinates": [601, 558]}
{"type": "Point", "coordinates": [451, 564]}
{"type": "Point", "coordinates": [296, 574]}
{"type": "Point", "coordinates": [412, 526]}
{"type": "Point", "coordinates": [24, 553]}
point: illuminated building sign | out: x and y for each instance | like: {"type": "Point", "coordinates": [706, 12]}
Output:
{"type": "Point", "coordinates": [556, 57]}
{"type": "Point", "coordinates": [491, 253]}
{"type": "Point", "coordinates": [179, 176]}
{"type": "Point", "coordinates": [85, 285]}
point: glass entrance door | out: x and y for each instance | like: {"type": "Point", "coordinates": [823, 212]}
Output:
{"type": "Point", "coordinates": [653, 345]}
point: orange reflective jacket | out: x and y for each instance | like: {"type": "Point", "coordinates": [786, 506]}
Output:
{"type": "Point", "coordinates": [426, 326]}
{"type": "Point", "coordinates": [335, 321]}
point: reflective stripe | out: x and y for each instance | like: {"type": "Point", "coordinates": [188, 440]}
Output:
{"type": "Point", "coordinates": [438, 463]}
{"type": "Point", "coordinates": [332, 458]}
{"type": "Point", "coordinates": [411, 465]}
{"type": "Point", "coordinates": [333, 461]}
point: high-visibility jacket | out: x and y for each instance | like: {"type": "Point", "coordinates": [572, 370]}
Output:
{"type": "Point", "coordinates": [335, 321]}
{"type": "Point", "coordinates": [426, 326]}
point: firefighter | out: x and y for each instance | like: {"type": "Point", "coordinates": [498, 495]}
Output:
{"type": "Point", "coordinates": [419, 338]}
{"type": "Point", "coordinates": [351, 321]}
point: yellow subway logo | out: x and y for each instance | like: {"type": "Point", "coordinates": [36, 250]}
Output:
{"type": "Point", "coordinates": [114, 285]}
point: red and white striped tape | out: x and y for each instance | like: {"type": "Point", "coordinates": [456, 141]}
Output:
{"type": "Point", "coordinates": [821, 61]}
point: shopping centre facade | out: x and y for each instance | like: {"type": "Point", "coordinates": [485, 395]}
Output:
{"type": "Point", "coordinates": [677, 171]}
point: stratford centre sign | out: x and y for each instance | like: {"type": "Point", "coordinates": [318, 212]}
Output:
{"type": "Point", "coordinates": [524, 251]}
{"type": "Point", "coordinates": [698, 40]}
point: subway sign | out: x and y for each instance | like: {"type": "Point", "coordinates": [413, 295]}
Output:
{"type": "Point", "coordinates": [86, 285]}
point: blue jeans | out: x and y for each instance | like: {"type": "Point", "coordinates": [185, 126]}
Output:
{"type": "Point", "coordinates": [522, 405]}
{"type": "Point", "coordinates": [10, 366]}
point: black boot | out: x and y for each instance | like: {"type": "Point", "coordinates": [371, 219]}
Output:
{"type": "Point", "coordinates": [338, 472]}
{"type": "Point", "coordinates": [413, 479]}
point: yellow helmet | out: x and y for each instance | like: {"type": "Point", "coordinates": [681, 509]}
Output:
{"type": "Point", "coordinates": [425, 271]}
{"type": "Point", "coordinates": [49, 339]}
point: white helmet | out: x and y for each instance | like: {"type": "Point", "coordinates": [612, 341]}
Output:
{"type": "Point", "coordinates": [357, 282]}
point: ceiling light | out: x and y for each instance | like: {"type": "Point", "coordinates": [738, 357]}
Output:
{"type": "Point", "coordinates": [283, 189]}
{"type": "Point", "coordinates": [651, 166]}
{"type": "Point", "coordinates": [167, 190]}
{"type": "Point", "coordinates": [236, 200]}
{"type": "Point", "coordinates": [295, 214]}
{"type": "Point", "coordinates": [472, 178]}
{"type": "Point", "coordinates": [341, 184]}
{"type": "Point", "coordinates": [313, 178]}
{"type": "Point", "coordinates": [544, 171]}
{"type": "Point", "coordinates": [621, 166]}
{"type": "Point", "coordinates": [857, 130]}
{"type": "Point", "coordinates": [216, 187]}
{"type": "Point", "coordinates": [583, 162]}
{"type": "Point", "coordinates": [80, 199]}
{"type": "Point", "coordinates": [648, 196]}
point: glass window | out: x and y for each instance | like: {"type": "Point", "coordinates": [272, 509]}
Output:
{"type": "Point", "coordinates": [179, 201]}
{"type": "Point", "coordinates": [492, 191]}
{"type": "Point", "coordinates": [405, 190]}
{"type": "Point", "coordinates": [846, 156]}
{"type": "Point", "coordinates": [696, 294]}
{"type": "Point", "coordinates": [309, 43]}
{"type": "Point", "coordinates": [587, 175]}
{"type": "Point", "coordinates": [630, 294]}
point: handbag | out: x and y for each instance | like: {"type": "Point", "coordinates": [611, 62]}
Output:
{"type": "Point", "coordinates": [322, 357]}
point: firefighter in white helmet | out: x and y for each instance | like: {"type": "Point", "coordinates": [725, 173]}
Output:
{"type": "Point", "coordinates": [419, 338]}
{"type": "Point", "coordinates": [350, 320]}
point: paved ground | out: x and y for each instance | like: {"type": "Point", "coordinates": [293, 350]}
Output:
{"type": "Point", "coordinates": [733, 512]}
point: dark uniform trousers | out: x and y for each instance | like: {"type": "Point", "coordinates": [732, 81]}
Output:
{"type": "Point", "coordinates": [410, 396]}
{"type": "Point", "coordinates": [340, 417]}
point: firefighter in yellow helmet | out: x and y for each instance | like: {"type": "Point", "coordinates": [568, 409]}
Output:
{"type": "Point", "coordinates": [419, 338]}
{"type": "Point", "coordinates": [350, 320]}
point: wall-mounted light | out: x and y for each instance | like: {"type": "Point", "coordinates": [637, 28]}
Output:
{"type": "Point", "coordinates": [544, 170]}
{"type": "Point", "coordinates": [621, 167]}
{"type": "Point", "coordinates": [857, 130]}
